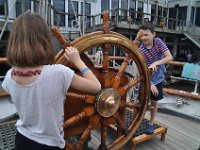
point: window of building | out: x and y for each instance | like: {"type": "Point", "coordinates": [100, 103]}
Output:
{"type": "Point", "coordinates": [72, 10]}
{"type": "Point", "coordinates": [115, 4]}
{"type": "Point", "coordinates": [2, 7]}
{"type": "Point", "coordinates": [114, 7]}
{"type": "Point", "coordinates": [160, 14]}
{"type": "Point", "coordinates": [165, 14]}
{"type": "Point", "coordinates": [22, 6]}
{"type": "Point", "coordinates": [140, 11]}
{"type": "Point", "coordinates": [132, 8]}
{"type": "Point", "coordinates": [124, 4]}
{"type": "Point", "coordinates": [36, 6]}
{"type": "Point", "coordinates": [87, 8]}
{"type": "Point", "coordinates": [18, 7]}
{"type": "Point", "coordinates": [59, 19]}
{"type": "Point", "coordinates": [124, 8]}
{"type": "Point", "coordinates": [192, 15]}
{"type": "Point", "coordinates": [104, 5]}
{"type": "Point", "coordinates": [87, 12]}
{"type": "Point", "coordinates": [197, 19]}
{"type": "Point", "coordinates": [182, 14]}
{"type": "Point", "coordinates": [172, 13]}
{"type": "Point", "coordinates": [153, 12]}
{"type": "Point", "coordinates": [172, 16]}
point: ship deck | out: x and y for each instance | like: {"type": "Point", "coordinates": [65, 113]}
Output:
{"type": "Point", "coordinates": [183, 127]}
{"type": "Point", "coordinates": [182, 134]}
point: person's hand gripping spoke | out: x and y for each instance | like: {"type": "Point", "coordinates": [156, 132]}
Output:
{"type": "Point", "coordinates": [72, 55]}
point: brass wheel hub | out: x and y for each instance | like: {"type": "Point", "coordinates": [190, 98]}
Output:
{"type": "Point", "coordinates": [108, 102]}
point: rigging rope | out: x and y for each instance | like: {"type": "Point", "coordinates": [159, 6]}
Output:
{"type": "Point", "coordinates": [75, 14]}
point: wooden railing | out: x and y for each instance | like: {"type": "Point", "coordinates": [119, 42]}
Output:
{"type": "Point", "coordinates": [3, 60]}
{"type": "Point", "coordinates": [3, 94]}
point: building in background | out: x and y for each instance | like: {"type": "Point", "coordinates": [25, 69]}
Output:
{"type": "Point", "coordinates": [177, 22]}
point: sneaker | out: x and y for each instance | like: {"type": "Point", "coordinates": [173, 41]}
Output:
{"type": "Point", "coordinates": [150, 129]}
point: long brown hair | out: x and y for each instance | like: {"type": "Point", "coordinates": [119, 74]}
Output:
{"type": "Point", "coordinates": [29, 42]}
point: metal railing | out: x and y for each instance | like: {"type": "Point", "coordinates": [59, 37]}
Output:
{"type": "Point", "coordinates": [91, 22]}
{"type": "Point", "coordinates": [131, 17]}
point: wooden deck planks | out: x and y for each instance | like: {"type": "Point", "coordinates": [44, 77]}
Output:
{"type": "Point", "coordinates": [181, 127]}
{"type": "Point", "coordinates": [161, 144]}
{"type": "Point", "coordinates": [179, 135]}
{"type": "Point", "coordinates": [147, 145]}
{"type": "Point", "coordinates": [182, 134]}
{"type": "Point", "coordinates": [181, 122]}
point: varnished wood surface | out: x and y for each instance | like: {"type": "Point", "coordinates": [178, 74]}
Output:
{"type": "Point", "coordinates": [182, 134]}
{"type": "Point", "coordinates": [3, 60]}
{"type": "Point", "coordinates": [3, 93]}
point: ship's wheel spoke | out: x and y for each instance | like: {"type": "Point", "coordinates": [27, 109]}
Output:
{"type": "Point", "coordinates": [87, 61]}
{"type": "Point", "coordinates": [121, 71]}
{"type": "Point", "coordinates": [105, 65]}
{"type": "Point", "coordinates": [103, 135]}
{"type": "Point", "coordinates": [84, 97]}
{"type": "Point", "coordinates": [131, 84]}
{"type": "Point", "coordinates": [94, 120]}
{"type": "Point", "coordinates": [87, 112]}
{"type": "Point", "coordinates": [105, 61]}
{"type": "Point", "coordinates": [84, 137]}
{"type": "Point", "coordinates": [120, 124]}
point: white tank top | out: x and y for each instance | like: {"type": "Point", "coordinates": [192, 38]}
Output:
{"type": "Point", "coordinates": [40, 105]}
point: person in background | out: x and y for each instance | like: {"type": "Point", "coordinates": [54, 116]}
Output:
{"type": "Point", "coordinates": [38, 87]}
{"type": "Point", "coordinates": [156, 54]}
{"type": "Point", "coordinates": [189, 57]}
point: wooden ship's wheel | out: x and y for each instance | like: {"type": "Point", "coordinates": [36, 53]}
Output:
{"type": "Point", "coordinates": [85, 112]}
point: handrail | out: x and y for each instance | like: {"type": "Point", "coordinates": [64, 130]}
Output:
{"type": "Point", "coordinates": [176, 63]}
{"type": "Point", "coordinates": [117, 13]}
{"type": "Point", "coordinates": [172, 62]}
{"type": "Point", "coordinates": [3, 60]}
{"type": "Point", "coordinates": [165, 22]}
{"type": "Point", "coordinates": [3, 94]}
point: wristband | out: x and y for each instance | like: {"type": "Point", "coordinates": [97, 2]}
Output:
{"type": "Point", "coordinates": [84, 70]}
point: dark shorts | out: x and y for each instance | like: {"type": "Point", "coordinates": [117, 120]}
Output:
{"type": "Point", "coordinates": [23, 143]}
{"type": "Point", "coordinates": [160, 92]}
